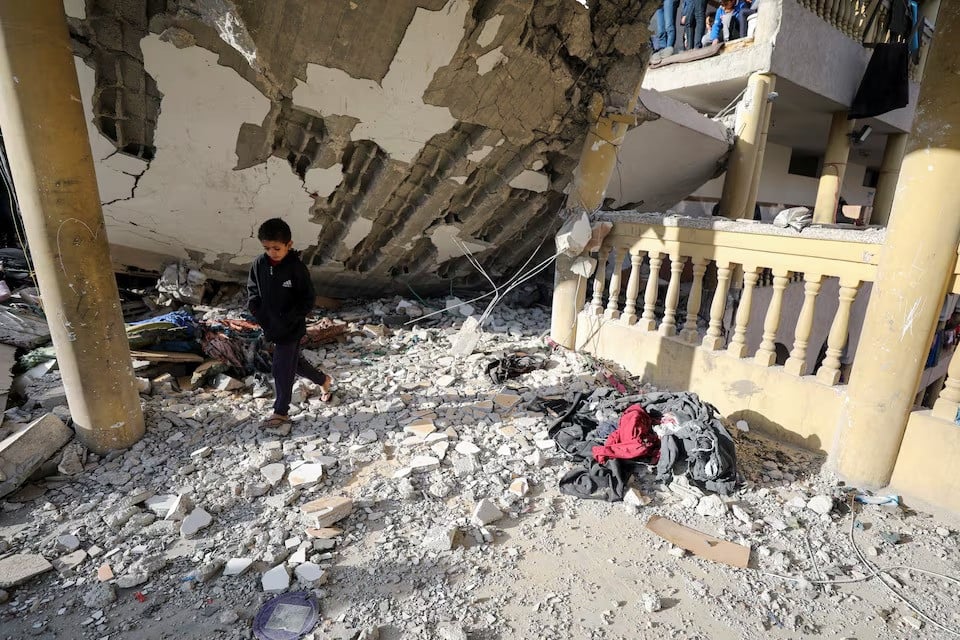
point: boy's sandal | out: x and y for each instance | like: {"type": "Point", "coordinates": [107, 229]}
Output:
{"type": "Point", "coordinates": [326, 394]}
{"type": "Point", "coordinates": [274, 422]}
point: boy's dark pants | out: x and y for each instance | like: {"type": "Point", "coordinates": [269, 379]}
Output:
{"type": "Point", "coordinates": [287, 365]}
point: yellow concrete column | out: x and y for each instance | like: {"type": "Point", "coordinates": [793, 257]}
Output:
{"type": "Point", "coordinates": [761, 147]}
{"type": "Point", "coordinates": [834, 168]}
{"type": "Point", "coordinates": [597, 162]}
{"type": "Point", "coordinates": [915, 266]}
{"type": "Point", "coordinates": [46, 139]}
{"type": "Point", "coordinates": [753, 122]}
{"type": "Point", "coordinates": [889, 175]}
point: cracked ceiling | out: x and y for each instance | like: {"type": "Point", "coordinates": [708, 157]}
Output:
{"type": "Point", "coordinates": [389, 133]}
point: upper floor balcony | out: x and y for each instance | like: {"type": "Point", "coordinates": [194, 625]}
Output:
{"type": "Point", "coordinates": [818, 49]}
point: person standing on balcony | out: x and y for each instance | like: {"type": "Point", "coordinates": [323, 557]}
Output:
{"type": "Point", "coordinates": [693, 16]}
{"type": "Point", "coordinates": [667, 32]}
{"type": "Point", "coordinates": [747, 8]}
{"type": "Point", "coordinates": [726, 24]}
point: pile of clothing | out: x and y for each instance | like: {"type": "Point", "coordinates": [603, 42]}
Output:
{"type": "Point", "coordinates": [613, 437]}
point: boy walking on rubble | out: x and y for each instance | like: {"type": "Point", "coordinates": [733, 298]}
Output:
{"type": "Point", "coordinates": [280, 295]}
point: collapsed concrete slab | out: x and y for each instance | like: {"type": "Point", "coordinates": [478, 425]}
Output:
{"type": "Point", "coordinates": [395, 136]}
{"type": "Point", "coordinates": [29, 446]}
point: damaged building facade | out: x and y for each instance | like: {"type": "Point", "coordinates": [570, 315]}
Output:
{"type": "Point", "coordinates": [832, 336]}
{"type": "Point", "coordinates": [395, 137]}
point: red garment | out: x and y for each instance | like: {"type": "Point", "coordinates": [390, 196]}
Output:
{"type": "Point", "coordinates": [634, 438]}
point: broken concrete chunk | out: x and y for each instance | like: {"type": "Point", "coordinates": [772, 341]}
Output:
{"type": "Point", "coordinates": [193, 523]}
{"type": "Point", "coordinates": [100, 596]}
{"type": "Point", "coordinates": [105, 572]}
{"type": "Point", "coordinates": [468, 337]}
{"type": "Point", "coordinates": [421, 428]}
{"type": "Point", "coordinates": [583, 266]}
{"type": "Point", "coordinates": [273, 473]}
{"type": "Point", "coordinates": [20, 568]}
{"type": "Point", "coordinates": [237, 566]}
{"type": "Point", "coordinates": [276, 580]}
{"type": "Point", "coordinates": [574, 236]}
{"type": "Point", "coordinates": [441, 538]}
{"type": "Point", "coordinates": [506, 401]}
{"type": "Point", "coordinates": [72, 459]}
{"type": "Point", "coordinates": [28, 447]}
{"type": "Point", "coordinates": [486, 512]}
{"type": "Point", "coordinates": [712, 506]}
{"type": "Point", "coordinates": [329, 510]}
{"type": "Point", "coordinates": [53, 398]}
{"type": "Point", "coordinates": [821, 504]}
{"type": "Point", "coordinates": [467, 448]}
{"type": "Point", "coordinates": [520, 487]}
{"type": "Point", "coordinates": [635, 499]}
{"type": "Point", "coordinates": [70, 561]}
{"type": "Point", "coordinates": [310, 574]}
{"type": "Point", "coordinates": [160, 505]}
{"type": "Point", "coordinates": [306, 474]}
{"type": "Point", "coordinates": [423, 464]}
{"type": "Point", "coordinates": [179, 508]}
{"type": "Point", "coordinates": [326, 533]}
{"type": "Point", "coordinates": [68, 543]}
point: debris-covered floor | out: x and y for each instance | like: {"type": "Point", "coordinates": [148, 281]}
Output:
{"type": "Point", "coordinates": [181, 536]}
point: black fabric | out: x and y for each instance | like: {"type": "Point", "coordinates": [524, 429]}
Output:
{"type": "Point", "coordinates": [512, 366]}
{"type": "Point", "coordinates": [699, 439]}
{"type": "Point", "coordinates": [608, 481]}
{"type": "Point", "coordinates": [280, 297]}
{"type": "Point", "coordinates": [900, 20]}
{"type": "Point", "coordinates": [885, 85]}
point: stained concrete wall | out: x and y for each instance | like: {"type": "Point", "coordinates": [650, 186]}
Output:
{"type": "Point", "coordinates": [392, 135]}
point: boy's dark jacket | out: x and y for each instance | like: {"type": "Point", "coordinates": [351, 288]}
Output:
{"type": "Point", "coordinates": [280, 297]}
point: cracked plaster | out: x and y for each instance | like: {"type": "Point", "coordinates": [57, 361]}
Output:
{"type": "Point", "coordinates": [393, 113]}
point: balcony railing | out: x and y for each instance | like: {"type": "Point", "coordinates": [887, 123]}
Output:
{"type": "Point", "coordinates": [851, 16]}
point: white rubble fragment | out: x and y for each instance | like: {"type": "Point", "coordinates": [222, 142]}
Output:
{"type": "Point", "coordinates": [445, 381]}
{"type": "Point", "coordinates": [743, 426]}
{"type": "Point", "coordinates": [193, 523]}
{"type": "Point", "coordinates": [651, 602]}
{"type": "Point", "coordinates": [70, 561]}
{"type": "Point", "coordinates": [28, 447]}
{"type": "Point", "coordinates": [68, 543]}
{"type": "Point", "coordinates": [237, 566]}
{"type": "Point", "coordinates": [467, 448]}
{"type": "Point", "coordinates": [367, 437]}
{"type": "Point", "coordinates": [223, 382]}
{"type": "Point", "coordinates": [712, 506]}
{"type": "Point", "coordinates": [202, 452]}
{"type": "Point", "coordinates": [276, 580]}
{"type": "Point", "coordinates": [520, 487]}
{"type": "Point", "coordinates": [423, 464]}
{"type": "Point", "coordinates": [486, 512]}
{"type": "Point", "coordinates": [160, 505]}
{"type": "Point", "coordinates": [273, 473]}
{"type": "Point", "coordinates": [574, 236]}
{"type": "Point", "coordinates": [179, 508]}
{"type": "Point", "coordinates": [635, 499]}
{"type": "Point", "coordinates": [440, 537]}
{"type": "Point", "coordinates": [583, 266]}
{"type": "Point", "coordinates": [306, 474]}
{"type": "Point", "coordinates": [310, 574]}
{"type": "Point", "coordinates": [821, 504]}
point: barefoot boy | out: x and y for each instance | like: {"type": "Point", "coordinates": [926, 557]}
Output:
{"type": "Point", "coordinates": [280, 295]}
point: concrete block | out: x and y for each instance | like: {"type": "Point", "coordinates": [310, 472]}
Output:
{"type": "Point", "coordinates": [19, 568]}
{"type": "Point", "coordinates": [29, 446]}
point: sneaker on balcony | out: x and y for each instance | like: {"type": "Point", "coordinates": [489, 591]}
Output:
{"type": "Point", "coordinates": [666, 52]}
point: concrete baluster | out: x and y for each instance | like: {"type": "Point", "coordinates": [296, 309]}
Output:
{"type": "Point", "coordinates": [738, 342]}
{"type": "Point", "coordinates": [649, 320]}
{"type": "Point", "coordinates": [797, 363]}
{"type": "Point", "coordinates": [613, 297]}
{"type": "Point", "coordinates": [596, 305]}
{"type": "Point", "coordinates": [767, 353]}
{"type": "Point", "coordinates": [829, 373]}
{"type": "Point", "coordinates": [690, 332]}
{"type": "Point", "coordinates": [714, 337]}
{"type": "Point", "coordinates": [629, 316]}
{"type": "Point", "coordinates": [669, 325]}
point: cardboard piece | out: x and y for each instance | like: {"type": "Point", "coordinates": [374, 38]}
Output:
{"type": "Point", "coordinates": [700, 544]}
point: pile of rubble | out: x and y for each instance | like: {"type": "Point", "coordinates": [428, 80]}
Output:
{"type": "Point", "coordinates": [424, 503]}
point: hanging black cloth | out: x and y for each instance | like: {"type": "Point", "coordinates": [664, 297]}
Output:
{"type": "Point", "coordinates": [885, 85]}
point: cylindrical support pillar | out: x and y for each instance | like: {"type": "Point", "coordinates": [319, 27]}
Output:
{"type": "Point", "coordinates": [916, 263]}
{"type": "Point", "coordinates": [834, 169]}
{"type": "Point", "coordinates": [754, 193]}
{"type": "Point", "coordinates": [753, 122]}
{"type": "Point", "coordinates": [49, 150]}
{"type": "Point", "coordinates": [889, 175]}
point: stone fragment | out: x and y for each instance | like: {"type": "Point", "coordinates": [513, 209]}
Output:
{"type": "Point", "coordinates": [821, 504]}
{"type": "Point", "coordinates": [468, 337]}
{"type": "Point", "coordinates": [712, 506]}
{"type": "Point", "coordinates": [72, 459]}
{"type": "Point", "coordinates": [27, 447]}
{"type": "Point", "coordinates": [440, 449]}
{"type": "Point", "coordinates": [237, 566]}
{"type": "Point", "coordinates": [440, 538]}
{"type": "Point", "coordinates": [202, 452]}
{"type": "Point", "coordinates": [328, 462]}
{"type": "Point", "coordinates": [70, 561]}
{"type": "Point", "coordinates": [306, 474]}
{"type": "Point", "coordinates": [506, 401]}
{"type": "Point", "coordinates": [326, 533]}
{"type": "Point", "coordinates": [520, 487]}
{"type": "Point", "coordinates": [445, 381]}
{"type": "Point", "coordinates": [943, 532]}
{"type": "Point", "coordinates": [144, 385]}
{"type": "Point", "coordinates": [273, 473]}
{"type": "Point", "coordinates": [328, 510]}
{"type": "Point", "coordinates": [56, 397]}
{"type": "Point", "coordinates": [180, 508]}
{"type": "Point", "coordinates": [450, 631]}
{"type": "Point", "coordinates": [421, 428]}
{"type": "Point", "coordinates": [486, 512]}
{"type": "Point", "coordinates": [423, 464]}
{"type": "Point", "coordinates": [651, 602]}
{"type": "Point", "coordinates": [68, 542]}
{"type": "Point", "coordinates": [915, 623]}
{"type": "Point", "coordinates": [635, 499]}
{"type": "Point", "coordinates": [536, 459]}
{"type": "Point", "coordinates": [743, 426]}
{"type": "Point", "coordinates": [223, 382]}
{"type": "Point", "coordinates": [228, 617]}
{"type": "Point", "coordinates": [105, 572]}
{"type": "Point", "coordinates": [100, 596]}
{"type": "Point", "coordinates": [368, 436]}
{"type": "Point", "coordinates": [741, 514]}
{"type": "Point", "coordinates": [276, 580]}
{"type": "Point", "coordinates": [467, 448]}
{"type": "Point", "coordinates": [20, 568]}
{"type": "Point", "coordinates": [160, 505]}
{"type": "Point", "coordinates": [193, 523]}
{"type": "Point", "coordinates": [310, 574]}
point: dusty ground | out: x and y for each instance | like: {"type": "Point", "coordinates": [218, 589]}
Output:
{"type": "Point", "coordinates": [553, 567]}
